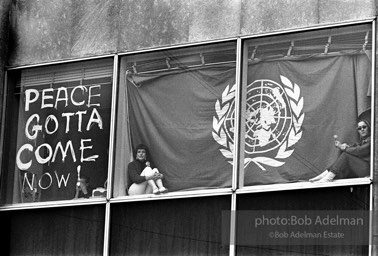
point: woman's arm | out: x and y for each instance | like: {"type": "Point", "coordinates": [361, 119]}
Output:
{"type": "Point", "coordinates": [359, 150]}
{"type": "Point", "coordinates": [134, 173]}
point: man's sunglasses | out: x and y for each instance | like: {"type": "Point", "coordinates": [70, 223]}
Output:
{"type": "Point", "coordinates": [361, 127]}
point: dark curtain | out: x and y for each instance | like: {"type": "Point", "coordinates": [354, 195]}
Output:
{"type": "Point", "coordinates": [326, 199]}
{"type": "Point", "coordinates": [191, 226]}
{"type": "Point", "coordinates": [186, 117]}
{"type": "Point", "coordinates": [60, 231]}
{"type": "Point", "coordinates": [327, 94]}
{"type": "Point", "coordinates": [172, 113]}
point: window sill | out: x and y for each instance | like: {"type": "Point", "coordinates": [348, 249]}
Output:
{"type": "Point", "coordinates": [52, 204]}
{"type": "Point", "coordinates": [174, 195]}
{"type": "Point", "coordinates": [304, 185]}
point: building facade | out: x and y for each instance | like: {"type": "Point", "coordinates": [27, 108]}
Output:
{"type": "Point", "coordinates": [240, 104]}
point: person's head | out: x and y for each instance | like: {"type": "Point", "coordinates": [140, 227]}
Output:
{"type": "Point", "coordinates": [84, 180]}
{"type": "Point", "coordinates": [83, 183]}
{"type": "Point", "coordinates": [363, 128]}
{"type": "Point", "coordinates": [141, 152]}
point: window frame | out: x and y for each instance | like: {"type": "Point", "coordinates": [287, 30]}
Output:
{"type": "Point", "coordinates": [57, 203]}
{"type": "Point", "coordinates": [336, 183]}
{"type": "Point", "coordinates": [238, 172]}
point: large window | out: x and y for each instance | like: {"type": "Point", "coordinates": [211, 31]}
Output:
{"type": "Point", "coordinates": [156, 152]}
{"type": "Point", "coordinates": [57, 136]}
{"type": "Point", "coordinates": [169, 101]}
{"type": "Point", "coordinates": [191, 226]}
{"type": "Point", "coordinates": [60, 231]}
{"type": "Point", "coordinates": [311, 203]}
{"type": "Point", "coordinates": [306, 97]}
{"type": "Point", "coordinates": [300, 95]}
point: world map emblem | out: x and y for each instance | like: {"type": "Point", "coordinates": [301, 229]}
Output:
{"type": "Point", "coordinates": [273, 122]}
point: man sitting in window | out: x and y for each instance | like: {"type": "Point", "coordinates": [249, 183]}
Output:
{"type": "Point", "coordinates": [354, 161]}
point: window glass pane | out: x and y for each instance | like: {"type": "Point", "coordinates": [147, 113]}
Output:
{"type": "Point", "coordinates": [306, 94]}
{"type": "Point", "coordinates": [62, 231]}
{"type": "Point", "coordinates": [57, 134]}
{"type": "Point", "coordinates": [282, 205]}
{"type": "Point", "coordinates": [169, 227]}
{"type": "Point", "coordinates": [171, 101]}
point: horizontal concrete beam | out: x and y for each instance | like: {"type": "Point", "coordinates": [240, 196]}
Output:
{"type": "Point", "coordinates": [53, 30]}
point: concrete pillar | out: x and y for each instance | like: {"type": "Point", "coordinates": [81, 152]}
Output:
{"type": "Point", "coordinates": [4, 32]}
{"type": "Point", "coordinates": [4, 42]}
{"type": "Point", "coordinates": [374, 223]}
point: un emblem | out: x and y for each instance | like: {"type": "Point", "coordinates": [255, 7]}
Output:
{"type": "Point", "coordinates": [273, 122]}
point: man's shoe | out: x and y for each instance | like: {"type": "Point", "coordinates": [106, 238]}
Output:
{"type": "Point", "coordinates": [319, 177]}
{"type": "Point", "coordinates": [328, 178]}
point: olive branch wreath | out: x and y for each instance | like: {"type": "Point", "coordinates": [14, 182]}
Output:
{"type": "Point", "coordinates": [219, 134]}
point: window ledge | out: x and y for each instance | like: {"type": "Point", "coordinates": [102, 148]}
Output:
{"type": "Point", "coordinates": [304, 185]}
{"type": "Point", "coordinates": [193, 193]}
{"type": "Point", "coordinates": [52, 204]}
{"type": "Point", "coordinates": [175, 195]}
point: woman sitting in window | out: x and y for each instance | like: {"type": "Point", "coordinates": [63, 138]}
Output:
{"type": "Point", "coordinates": [354, 161]}
{"type": "Point", "coordinates": [144, 177]}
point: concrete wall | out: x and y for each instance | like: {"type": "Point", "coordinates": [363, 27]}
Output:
{"type": "Point", "coordinates": [49, 30]}
{"type": "Point", "coordinates": [4, 36]}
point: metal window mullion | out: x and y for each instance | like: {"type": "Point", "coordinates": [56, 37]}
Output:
{"type": "Point", "coordinates": [232, 247]}
{"type": "Point", "coordinates": [232, 251]}
{"type": "Point", "coordinates": [112, 129]}
{"type": "Point", "coordinates": [372, 249]}
{"type": "Point", "coordinates": [240, 110]}
{"type": "Point", "coordinates": [237, 116]}
{"type": "Point", "coordinates": [111, 156]}
{"type": "Point", "coordinates": [3, 124]}
{"type": "Point", "coordinates": [238, 157]}
{"type": "Point", "coordinates": [106, 243]}
{"type": "Point", "coordinates": [372, 217]}
{"type": "Point", "coordinates": [372, 115]}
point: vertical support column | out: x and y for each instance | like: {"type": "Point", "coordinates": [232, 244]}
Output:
{"type": "Point", "coordinates": [4, 40]}
{"type": "Point", "coordinates": [240, 111]}
{"type": "Point", "coordinates": [237, 116]}
{"type": "Point", "coordinates": [111, 157]}
{"type": "Point", "coordinates": [112, 128]}
{"type": "Point", "coordinates": [233, 225]}
{"type": "Point", "coordinates": [239, 135]}
{"type": "Point", "coordinates": [373, 233]}
{"type": "Point", "coordinates": [4, 32]}
{"type": "Point", "coordinates": [105, 251]}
